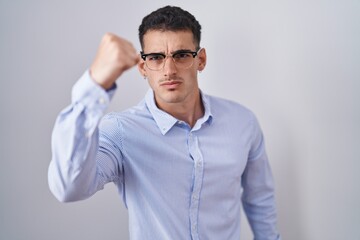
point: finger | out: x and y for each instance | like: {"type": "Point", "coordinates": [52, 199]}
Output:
{"type": "Point", "coordinates": [133, 55]}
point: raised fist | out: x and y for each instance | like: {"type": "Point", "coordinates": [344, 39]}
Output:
{"type": "Point", "coordinates": [115, 55]}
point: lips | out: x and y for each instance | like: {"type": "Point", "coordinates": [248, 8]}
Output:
{"type": "Point", "coordinates": [170, 84]}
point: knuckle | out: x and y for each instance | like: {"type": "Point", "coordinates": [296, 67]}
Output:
{"type": "Point", "coordinates": [107, 36]}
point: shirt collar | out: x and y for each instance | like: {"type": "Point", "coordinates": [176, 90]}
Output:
{"type": "Point", "coordinates": [165, 121]}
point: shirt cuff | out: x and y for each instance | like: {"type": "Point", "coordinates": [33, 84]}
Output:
{"type": "Point", "coordinates": [87, 92]}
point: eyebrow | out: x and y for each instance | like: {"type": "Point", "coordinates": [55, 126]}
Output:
{"type": "Point", "coordinates": [172, 53]}
{"type": "Point", "coordinates": [182, 50]}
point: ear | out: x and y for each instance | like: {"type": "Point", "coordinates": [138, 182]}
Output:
{"type": "Point", "coordinates": [202, 59]}
{"type": "Point", "coordinates": [141, 67]}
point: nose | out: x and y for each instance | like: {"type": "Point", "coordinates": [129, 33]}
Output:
{"type": "Point", "coordinates": [169, 66]}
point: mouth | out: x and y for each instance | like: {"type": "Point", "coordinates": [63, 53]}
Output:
{"type": "Point", "coordinates": [170, 84]}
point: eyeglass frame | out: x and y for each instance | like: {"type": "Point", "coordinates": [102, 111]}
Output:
{"type": "Point", "coordinates": [193, 53]}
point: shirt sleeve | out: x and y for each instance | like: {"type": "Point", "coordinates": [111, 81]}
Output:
{"type": "Point", "coordinates": [258, 190]}
{"type": "Point", "coordinates": [80, 164]}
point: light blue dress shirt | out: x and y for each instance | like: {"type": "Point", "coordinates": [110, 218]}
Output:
{"type": "Point", "coordinates": [177, 182]}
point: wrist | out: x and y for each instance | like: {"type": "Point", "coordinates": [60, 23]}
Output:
{"type": "Point", "coordinates": [105, 83]}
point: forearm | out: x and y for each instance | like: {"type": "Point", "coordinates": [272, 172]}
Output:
{"type": "Point", "coordinates": [259, 195]}
{"type": "Point", "coordinates": [259, 199]}
{"type": "Point", "coordinates": [73, 172]}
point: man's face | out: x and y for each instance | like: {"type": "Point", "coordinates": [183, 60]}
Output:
{"type": "Point", "coordinates": [172, 84]}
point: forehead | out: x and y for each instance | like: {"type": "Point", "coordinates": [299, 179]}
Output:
{"type": "Point", "coordinates": [168, 41]}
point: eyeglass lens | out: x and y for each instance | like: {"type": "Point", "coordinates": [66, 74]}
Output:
{"type": "Point", "coordinates": [182, 60]}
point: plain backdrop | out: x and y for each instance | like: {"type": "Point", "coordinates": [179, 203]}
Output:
{"type": "Point", "coordinates": [296, 64]}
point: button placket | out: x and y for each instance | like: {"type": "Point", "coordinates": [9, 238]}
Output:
{"type": "Point", "coordinates": [198, 176]}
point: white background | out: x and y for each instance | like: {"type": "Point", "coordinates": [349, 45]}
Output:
{"type": "Point", "coordinates": [296, 64]}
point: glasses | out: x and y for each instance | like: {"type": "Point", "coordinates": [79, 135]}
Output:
{"type": "Point", "coordinates": [183, 59]}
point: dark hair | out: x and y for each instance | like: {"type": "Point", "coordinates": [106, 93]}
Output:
{"type": "Point", "coordinates": [170, 18]}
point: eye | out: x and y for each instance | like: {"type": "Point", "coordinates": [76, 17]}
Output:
{"type": "Point", "coordinates": [155, 57]}
{"type": "Point", "coordinates": [182, 55]}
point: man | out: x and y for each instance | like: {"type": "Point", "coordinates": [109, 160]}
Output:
{"type": "Point", "coordinates": [183, 161]}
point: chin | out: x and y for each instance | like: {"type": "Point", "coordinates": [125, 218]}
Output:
{"type": "Point", "coordinates": [171, 97]}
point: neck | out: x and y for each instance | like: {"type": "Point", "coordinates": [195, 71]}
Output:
{"type": "Point", "coordinates": [187, 111]}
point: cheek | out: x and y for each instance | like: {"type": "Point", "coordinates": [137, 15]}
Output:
{"type": "Point", "coordinates": [192, 74]}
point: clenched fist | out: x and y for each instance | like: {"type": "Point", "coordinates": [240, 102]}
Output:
{"type": "Point", "coordinates": [115, 55]}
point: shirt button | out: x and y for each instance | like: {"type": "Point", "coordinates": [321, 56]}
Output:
{"type": "Point", "coordinates": [194, 227]}
{"type": "Point", "coordinates": [101, 100]}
